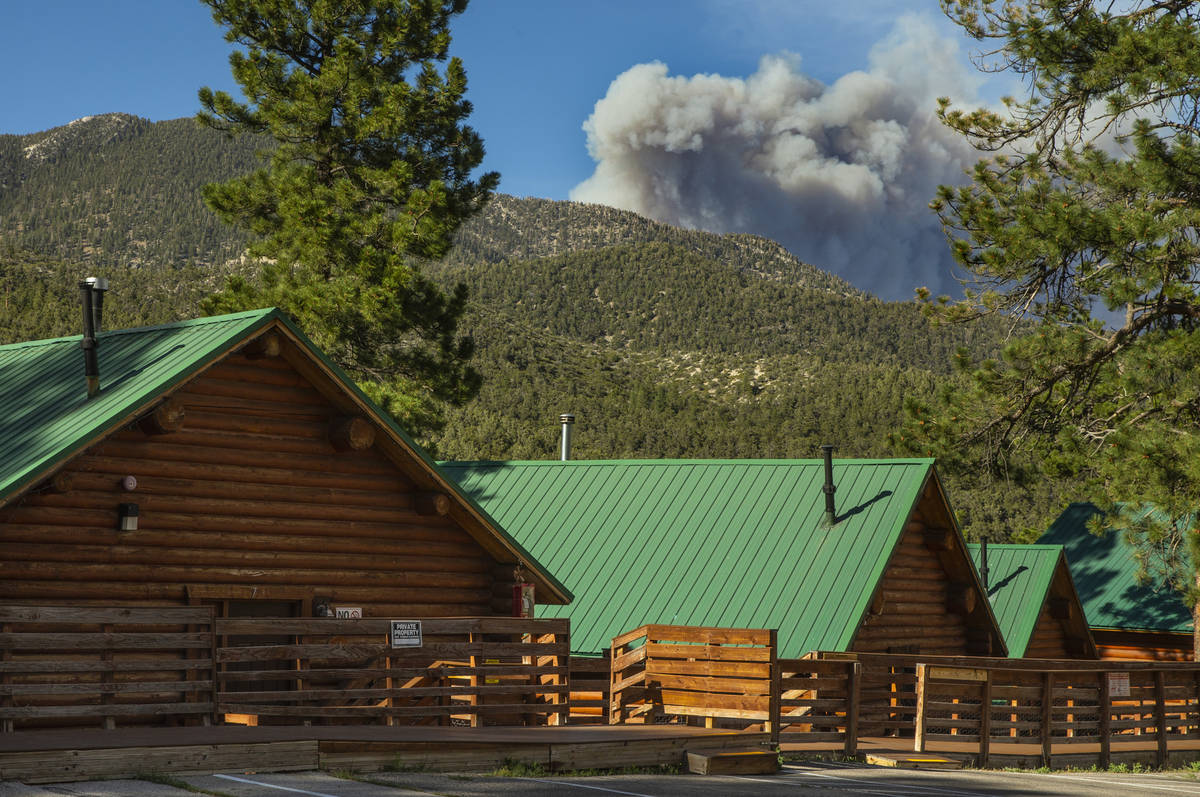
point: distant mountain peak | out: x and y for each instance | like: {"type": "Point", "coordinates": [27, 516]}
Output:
{"type": "Point", "coordinates": [87, 133]}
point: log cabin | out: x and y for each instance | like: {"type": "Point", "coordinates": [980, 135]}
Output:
{"type": "Point", "coordinates": [1128, 620]}
{"type": "Point", "coordinates": [227, 461]}
{"type": "Point", "coordinates": [869, 559]}
{"type": "Point", "coordinates": [1035, 602]}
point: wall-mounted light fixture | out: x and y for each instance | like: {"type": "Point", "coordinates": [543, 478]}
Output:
{"type": "Point", "coordinates": [127, 515]}
{"type": "Point", "coordinates": [321, 607]}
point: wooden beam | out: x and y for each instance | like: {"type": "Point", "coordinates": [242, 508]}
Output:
{"type": "Point", "coordinates": [1060, 608]}
{"type": "Point", "coordinates": [432, 503]}
{"type": "Point", "coordinates": [167, 417]}
{"type": "Point", "coordinates": [961, 599]}
{"type": "Point", "coordinates": [351, 434]}
{"type": "Point", "coordinates": [267, 345]}
{"type": "Point", "coordinates": [938, 539]}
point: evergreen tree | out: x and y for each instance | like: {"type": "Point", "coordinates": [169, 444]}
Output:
{"type": "Point", "coordinates": [1085, 220]}
{"type": "Point", "coordinates": [371, 172]}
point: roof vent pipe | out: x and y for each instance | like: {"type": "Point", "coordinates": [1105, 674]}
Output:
{"type": "Point", "coordinates": [92, 294]}
{"type": "Point", "coordinates": [983, 567]}
{"type": "Point", "coordinates": [829, 489]}
{"type": "Point", "coordinates": [568, 420]}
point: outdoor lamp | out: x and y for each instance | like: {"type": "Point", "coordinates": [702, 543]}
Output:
{"type": "Point", "coordinates": [127, 515]}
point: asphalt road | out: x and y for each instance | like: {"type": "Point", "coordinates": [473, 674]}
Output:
{"type": "Point", "coordinates": [795, 779]}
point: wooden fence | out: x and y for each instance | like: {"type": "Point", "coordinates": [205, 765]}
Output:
{"type": "Point", "coordinates": [65, 665]}
{"type": "Point", "coordinates": [87, 666]}
{"type": "Point", "coordinates": [888, 691]}
{"type": "Point", "coordinates": [994, 707]}
{"type": "Point", "coordinates": [691, 671]}
{"type": "Point", "coordinates": [732, 678]}
{"type": "Point", "coordinates": [819, 701]}
{"type": "Point", "coordinates": [471, 671]}
{"type": "Point", "coordinates": [589, 690]}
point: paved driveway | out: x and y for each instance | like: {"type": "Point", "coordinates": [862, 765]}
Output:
{"type": "Point", "coordinates": [795, 779]}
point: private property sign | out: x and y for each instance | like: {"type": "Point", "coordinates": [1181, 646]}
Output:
{"type": "Point", "coordinates": [406, 633]}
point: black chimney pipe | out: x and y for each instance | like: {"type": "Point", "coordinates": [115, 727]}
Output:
{"type": "Point", "coordinates": [92, 294]}
{"type": "Point", "coordinates": [829, 489]}
{"type": "Point", "coordinates": [983, 567]}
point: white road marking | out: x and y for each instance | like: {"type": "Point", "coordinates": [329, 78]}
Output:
{"type": "Point", "coordinates": [582, 786]}
{"type": "Point", "coordinates": [273, 786]}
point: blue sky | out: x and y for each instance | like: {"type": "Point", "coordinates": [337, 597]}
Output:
{"type": "Point", "coordinates": [537, 69]}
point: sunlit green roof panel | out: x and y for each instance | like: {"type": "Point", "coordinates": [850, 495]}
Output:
{"type": "Point", "coordinates": [738, 543]}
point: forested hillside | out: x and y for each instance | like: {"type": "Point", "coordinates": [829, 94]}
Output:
{"type": "Point", "coordinates": [664, 342]}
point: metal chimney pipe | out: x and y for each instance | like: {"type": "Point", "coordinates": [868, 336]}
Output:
{"type": "Point", "coordinates": [983, 566]}
{"type": "Point", "coordinates": [567, 420]}
{"type": "Point", "coordinates": [91, 361]}
{"type": "Point", "coordinates": [829, 489]}
{"type": "Point", "coordinates": [99, 287]}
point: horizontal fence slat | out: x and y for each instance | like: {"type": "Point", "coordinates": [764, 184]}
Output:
{"type": "Point", "coordinates": [299, 696]}
{"type": "Point", "coordinates": [106, 710]}
{"type": "Point", "coordinates": [104, 688]}
{"type": "Point", "coordinates": [707, 635]}
{"type": "Point", "coordinates": [656, 650]}
{"type": "Point", "coordinates": [395, 711]}
{"type": "Point", "coordinates": [101, 641]}
{"type": "Point", "coordinates": [370, 626]}
{"type": "Point", "coordinates": [118, 615]}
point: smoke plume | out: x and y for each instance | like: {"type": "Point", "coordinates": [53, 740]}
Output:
{"type": "Point", "coordinates": [840, 174]}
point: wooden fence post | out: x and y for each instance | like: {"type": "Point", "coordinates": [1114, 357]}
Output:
{"type": "Point", "coordinates": [919, 730]}
{"type": "Point", "coordinates": [985, 720]}
{"type": "Point", "coordinates": [1105, 722]}
{"type": "Point", "coordinates": [1160, 718]}
{"type": "Point", "coordinates": [774, 709]}
{"type": "Point", "coordinates": [1047, 716]}
{"type": "Point", "coordinates": [853, 701]}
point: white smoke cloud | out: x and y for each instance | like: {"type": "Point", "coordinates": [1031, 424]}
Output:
{"type": "Point", "coordinates": [840, 174]}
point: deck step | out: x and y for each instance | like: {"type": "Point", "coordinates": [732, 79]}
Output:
{"type": "Point", "coordinates": [753, 761]}
{"type": "Point", "coordinates": [913, 761]}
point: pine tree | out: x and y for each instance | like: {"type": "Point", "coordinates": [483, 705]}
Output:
{"type": "Point", "coordinates": [371, 171]}
{"type": "Point", "coordinates": [1085, 222]}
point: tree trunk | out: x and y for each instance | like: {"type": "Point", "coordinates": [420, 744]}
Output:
{"type": "Point", "coordinates": [1196, 625]}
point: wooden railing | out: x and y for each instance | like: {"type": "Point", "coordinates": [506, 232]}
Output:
{"type": "Point", "coordinates": [888, 691]}
{"type": "Point", "coordinates": [992, 707]}
{"type": "Point", "coordinates": [661, 671]}
{"type": "Point", "coordinates": [82, 665]}
{"type": "Point", "coordinates": [819, 702]}
{"type": "Point", "coordinates": [589, 690]}
{"type": "Point", "coordinates": [487, 670]}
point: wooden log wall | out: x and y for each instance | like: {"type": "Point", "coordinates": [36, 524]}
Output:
{"type": "Point", "coordinates": [1113, 644]}
{"type": "Point", "coordinates": [1061, 631]}
{"type": "Point", "coordinates": [919, 607]}
{"type": "Point", "coordinates": [251, 486]}
{"type": "Point", "coordinates": [1050, 639]}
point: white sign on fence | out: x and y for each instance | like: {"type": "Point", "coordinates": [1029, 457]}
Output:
{"type": "Point", "coordinates": [1118, 684]}
{"type": "Point", "coordinates": [347, 612]}
{"type": "Point", "coordinates": [406, 633]}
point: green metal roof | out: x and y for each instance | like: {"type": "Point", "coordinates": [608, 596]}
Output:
{"type": "Point", "coordinates": [1105, 574]}
{"type": "Point", "coordinates": [705, 542]}
{"type": "Point", "coordinates": [45, 414]}
{"type": "Point", "coordinates": [1019, 579]}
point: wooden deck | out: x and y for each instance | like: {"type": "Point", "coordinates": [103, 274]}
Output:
{"type": "Point", "coordinates": [69, 755]}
